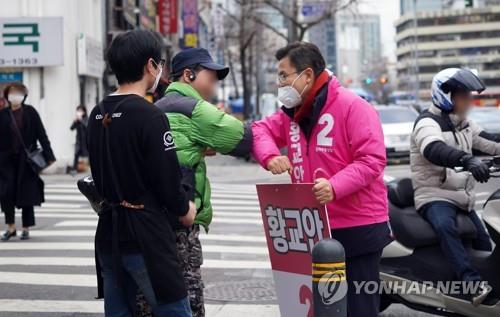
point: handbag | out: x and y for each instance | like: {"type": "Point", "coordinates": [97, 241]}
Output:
{"type": "Point", "coordinates": [35, 158]}
{"type": "Point", "coordinates": [88, 189]}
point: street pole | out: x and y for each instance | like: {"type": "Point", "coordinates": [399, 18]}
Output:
{"type": "Point", "coordinates": [415, 53]}
{"type": "Point", "coordinates": [329, 279]}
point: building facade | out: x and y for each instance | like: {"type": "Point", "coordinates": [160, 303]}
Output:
{"type": "Point", "coordinates": [359, 47]}
{"type": "Point", "coordinates": [324, 35]}
{"type": "Point", "coordinates": [50, 46]}
{"type": "Point", "coordinates": [454, 37]}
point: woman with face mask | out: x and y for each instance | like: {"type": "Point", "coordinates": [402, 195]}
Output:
{"type": "Point", "coordinates": [334, 140]}
{"type": "Point", "coordinates": [80, 125]}
{"type": "Point", "coordinates": [20, 185]}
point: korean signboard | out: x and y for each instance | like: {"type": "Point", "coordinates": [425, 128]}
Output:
{"type": "Point", "coordinates": [293, 223]}
{"type": "Point", "coordinates": [90, 56]}
{"type": "Point", "coordinates": [190, 24]}
{"type": "Point", "coordinates": [31, 42]}
{"type": "Point", "coordinates": [167, 14]}
{"type": "Point", "coordinates": [147, 9]}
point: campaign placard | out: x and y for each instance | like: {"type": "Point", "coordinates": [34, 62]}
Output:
{"type": "Point", "coordinates": [293, 223]}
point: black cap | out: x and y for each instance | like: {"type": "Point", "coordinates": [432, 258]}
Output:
{"type": "Point", "coordinates": [197, 56]}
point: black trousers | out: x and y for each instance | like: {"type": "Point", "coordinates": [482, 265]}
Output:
{"type": "Point", "coordinates": [76, 158]}
{"type": "Point", "coordinates": [28, 214]}
{"type": "Point", "coordinates": [363, 269]}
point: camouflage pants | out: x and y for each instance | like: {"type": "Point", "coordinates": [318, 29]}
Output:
{"type": "Point", "coordinates": [190, 259]}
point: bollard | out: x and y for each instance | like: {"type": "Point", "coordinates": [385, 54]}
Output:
{"type": "Point", "coordinates": [329, 279]}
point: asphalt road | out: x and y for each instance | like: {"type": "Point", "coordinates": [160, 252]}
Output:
{"type": "Point", "coordinates": [53, 273]}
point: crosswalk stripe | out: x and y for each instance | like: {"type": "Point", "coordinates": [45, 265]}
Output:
{"type": "Point", "coordinates": [90, 214]}
{"type": "Point", "coordinates": [217, 220]}
{"type": "Point", "coordinates": [62, 186]}
{"type": "Point", "coordinates": [51, 306]}
{"type": "Point", "coordinates": [63, 205]}
{"type": "Point", "coordinates": [203, 237]}
{"type": "Point", "coordinates": [232, 237]}
{"type": "Point", "coordinates": [86, 215]}
{"type": "Point", "coordinates": [207, 248]}
{"type": "Point", "coordinates": [93, 223]}
{"type": "Point", "coordinates": [233, 208]}
{"type": "Point", "coordinates": [90, 261]}
{"type": "Point", "coordinates": [232, 195]}
{"type": "Point", "coordinates": [77, 223]}
{"type": "Point", "coordinates": [62, 233]}
{"type": "Point", "coordinates": [74, 280]}
{"type": "Point", "coordinates": [65, 210]}
{"type": "Point", "coordinates": [220, 217]}
{"type": "Point", "coordinates": [97, 307]}
{"type": "Point", "coordinates": [225, 202]}
{"type": "Point", "coordinates": [232, 212]}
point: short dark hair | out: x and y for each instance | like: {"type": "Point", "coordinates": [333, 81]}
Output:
{"type": "Point", "coordinates": [129, 52]}
{"type": "Point", "coordinates": [303, 55]}
{"type": "Point", "coordinates": [177, 76]}
{"type": "Point", "coordinates": [83, 108]}
{"type": "Point", "coordinates": [15, 85]}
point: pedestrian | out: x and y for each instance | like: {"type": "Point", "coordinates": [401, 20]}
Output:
{"type": "Point", "coordinates": [21, 130]}
{"type": "Point", "coordinates": [135, 169]}
{"type": "Point", "coordinates": [80, 125]}
{"type": "Point", "coordinates": [334, 140]}
{"type": "Point", "coordinates": [199, 129]}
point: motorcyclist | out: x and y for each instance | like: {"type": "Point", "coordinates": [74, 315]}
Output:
{"type": "Point", "coordinates": [443, 138]}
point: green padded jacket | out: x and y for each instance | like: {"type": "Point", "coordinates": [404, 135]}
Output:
{"type": "Point", "coordinates": [197, 125]}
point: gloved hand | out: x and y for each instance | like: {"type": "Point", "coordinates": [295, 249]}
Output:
{"type": "Point", "coordinates": [479, 170]}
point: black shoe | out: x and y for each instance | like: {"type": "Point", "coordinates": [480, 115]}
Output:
{"type": "Point", "coordinates": [7, 235]}
{"type": "Point", "coordinates": [25, 235]}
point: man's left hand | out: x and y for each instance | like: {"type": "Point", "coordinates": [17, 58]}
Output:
{"type": "Point", "coordinates": [323, 191]}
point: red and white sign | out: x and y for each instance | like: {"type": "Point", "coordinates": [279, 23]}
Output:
{"type": "Point", "coordinates": [167, 14]}
{"type": "Point", "coordinates": [293, 222]}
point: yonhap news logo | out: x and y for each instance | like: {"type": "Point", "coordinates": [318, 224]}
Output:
{"type": "Point", "coordinates": [332, 286]}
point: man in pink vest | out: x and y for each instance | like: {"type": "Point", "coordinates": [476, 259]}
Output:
{"type": "Point", "coordinates": [334, 139]}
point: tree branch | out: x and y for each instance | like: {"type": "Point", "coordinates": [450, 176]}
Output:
{"type": "Point", "coordinates": [258, 20]}
{"type": "Point", "coordinates": [287, 15]}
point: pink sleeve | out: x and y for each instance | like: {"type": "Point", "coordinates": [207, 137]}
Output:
{"type": "Point", "coordinates": [366, 140]}
{"type": "Point", "coordinates": [268, 137]}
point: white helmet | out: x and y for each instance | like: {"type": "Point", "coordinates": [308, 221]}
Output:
{"type": "Point", "coordinates": [450, 80]}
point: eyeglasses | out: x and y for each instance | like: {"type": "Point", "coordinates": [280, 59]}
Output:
{"type": "Point", "coordinates": [282, 76]}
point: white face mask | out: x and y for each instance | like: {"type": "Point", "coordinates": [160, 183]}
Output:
{"type": "Point", "coordinates": [80, 114]}
{"type": "Point", "coordinates": [157, 80]}
{"type": "Point", "coordinates": [289, 96]}
{"type": "Point", "coordinates": [15, 99]}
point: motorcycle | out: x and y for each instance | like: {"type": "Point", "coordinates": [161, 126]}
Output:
{"type": "Point", "coordinates": [416, 257]}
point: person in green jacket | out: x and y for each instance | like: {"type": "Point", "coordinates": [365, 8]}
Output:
{"type": "Point", "coordinates": [198, 127]}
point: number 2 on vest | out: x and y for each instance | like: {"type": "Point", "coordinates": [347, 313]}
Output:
{"type": "Point", "coordinates": [323, 138]}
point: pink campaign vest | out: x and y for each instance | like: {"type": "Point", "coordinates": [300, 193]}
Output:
{"type": "Point", "coordinates": [346, 146]}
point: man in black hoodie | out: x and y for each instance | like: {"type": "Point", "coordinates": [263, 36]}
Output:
{"type": "Point", "coordinates": [135, 168]}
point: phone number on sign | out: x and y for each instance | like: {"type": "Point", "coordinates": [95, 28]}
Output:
{"type": "Point", "coordinates": [18, 61]}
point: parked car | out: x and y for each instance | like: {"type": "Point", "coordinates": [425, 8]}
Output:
{"type": "Point", "coordinates": [397, 124]}
{"type": "Point", "coordinates": [488, 119]}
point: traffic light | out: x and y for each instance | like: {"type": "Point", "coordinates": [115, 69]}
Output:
{"type": "Point", "coordinates": [368, 81]}
{"type": "Point", "coordinates": [469, 3]}
{"type": "Point", "coordinates": [383, 80]}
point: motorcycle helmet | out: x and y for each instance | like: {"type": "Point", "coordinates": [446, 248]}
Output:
{"type": "Point", "coordinates": [453, 79]}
